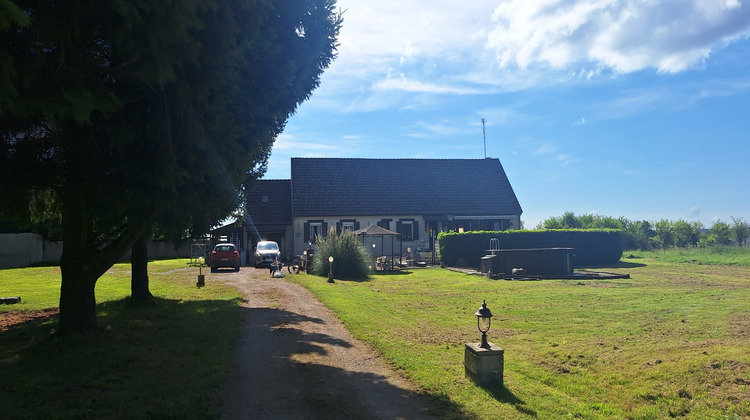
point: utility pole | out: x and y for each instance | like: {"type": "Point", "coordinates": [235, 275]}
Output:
{"type": "Point", "coordinates": [484, 140]}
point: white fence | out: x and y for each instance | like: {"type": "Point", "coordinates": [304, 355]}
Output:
{"type": "Point", "coordinates": [25, 249]}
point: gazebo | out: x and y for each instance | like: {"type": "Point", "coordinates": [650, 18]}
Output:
{"type": "Point", "coordinates": [375, 231]}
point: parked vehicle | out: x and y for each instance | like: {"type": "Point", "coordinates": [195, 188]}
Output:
{"type": "Point", "coordinates": [266, 252]}
{"type": "Point", "coordinates": [225, 255]}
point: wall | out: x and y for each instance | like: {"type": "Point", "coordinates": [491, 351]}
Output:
{"type": "Point", "coordinates": [20, 249]}
{"type": "Point", "coordinates": [25, 249]}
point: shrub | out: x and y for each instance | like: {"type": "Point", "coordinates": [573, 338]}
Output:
{"type": "Point", "coordinates": [351, 260]}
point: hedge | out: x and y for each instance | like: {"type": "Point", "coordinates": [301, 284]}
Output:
{"type": "Point", "coordinates": [592, 246]}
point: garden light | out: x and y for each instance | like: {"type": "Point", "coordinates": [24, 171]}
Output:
{"type": "Point", "coordinates": [330, 269]}
{"type": "Point", "coordinates": [484, 362]}
{"type": "Point", "coordinates": [484, 316]}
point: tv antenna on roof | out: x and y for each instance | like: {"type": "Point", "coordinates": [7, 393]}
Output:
{"type": "Point", "coordinates": [484, 140]}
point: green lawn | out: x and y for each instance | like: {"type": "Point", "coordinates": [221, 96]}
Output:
{"type": "Point", "coordinates": [165, 360]}
{"type": "Point", "coordinates": [713, 255]}
{"type": "Point", "coordinates": [670, 341]}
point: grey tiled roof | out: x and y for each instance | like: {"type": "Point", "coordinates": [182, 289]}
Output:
{"type": "Point", "coordinates": [328, 187]}
{"type": "Point", "coordinates": [278, 209]}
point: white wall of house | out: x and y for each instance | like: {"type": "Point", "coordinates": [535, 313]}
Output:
{"type": "Point", "coordinates": [419, 240]}
{"type": "Point", "coordinates": [317, 223]}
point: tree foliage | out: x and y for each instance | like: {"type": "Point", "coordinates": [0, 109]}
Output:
{"type": "Point", "coordinates": [740, 230]}
{"type": "Point", "coordinates": [720, 234]}
{"type": "Point", "coordinates": [661, 234]}
{"type": "Point", "coordinates": [131, 115]}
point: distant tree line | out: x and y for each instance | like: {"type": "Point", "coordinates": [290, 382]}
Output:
{"type": "Point", "coordinates": [645, 235]}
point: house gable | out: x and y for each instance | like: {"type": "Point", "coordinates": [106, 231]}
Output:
{"type": "Point", "coordinates": [268, 202]}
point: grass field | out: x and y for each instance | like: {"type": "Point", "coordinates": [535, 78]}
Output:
{"type": "Point", "coordinates": [714, 255]}
{"type": "Point", "coordinates": [671, 341]}
{"type": "Point", "coordinates": [165, 360]}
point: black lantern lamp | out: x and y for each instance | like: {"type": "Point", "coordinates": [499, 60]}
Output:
{"type": "Point", "coordinates": [484, 316]}
{"type": "Point", "coordinates": [330, 269]}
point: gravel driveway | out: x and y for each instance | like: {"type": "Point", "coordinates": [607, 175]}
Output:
{"type": "Point", "coordinates": [295, 360]}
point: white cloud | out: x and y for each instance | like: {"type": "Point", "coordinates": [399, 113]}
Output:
{"type": "Point", "coordinates": [402, 83]}
{"type": "Point", "coordinates": [622, 35]}
{"type": "Point", "coordinates": [402, 53]}
{"type": "Point", "coordinates": [290, 144]}
{"type": "Point", "coordinates": [406, 29]}
{"type": "Point", "coordinates": [501, 116]}
{"type": "Point", "coordinates": [639, 100]}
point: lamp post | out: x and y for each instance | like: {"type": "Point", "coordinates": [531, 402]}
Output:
{"type": "Point", "coordinates": [484, 362]}
{"type": "Point", "coordinates": [484, 319]}
{"type": "Point", "coordinates": [201, 277]}
{"type": "Point", "coordinates": [330, 269]}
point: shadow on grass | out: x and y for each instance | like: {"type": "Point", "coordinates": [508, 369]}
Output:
{"type": "Point", "coordinates": [626, 264]}
{"type": "Point", "coordinates": [504, 395]}
{"type": "Point", "coordinates": [281, 370]}
{"type": "Point", "coordinates": [165, 359]}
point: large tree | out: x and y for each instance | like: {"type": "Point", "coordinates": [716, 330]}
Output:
{"type": "Point", "coordinates": [136, 114]}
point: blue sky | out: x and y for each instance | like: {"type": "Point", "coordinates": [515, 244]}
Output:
{"type": "Point", "coordinates": [635, 108]}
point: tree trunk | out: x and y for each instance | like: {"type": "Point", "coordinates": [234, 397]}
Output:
{"type": "Point", "coordinates": [139, 271]}
{"type": "Point", "coordinates": [83, 260]}
{"type": "Point", "coordinates": [77, 301]}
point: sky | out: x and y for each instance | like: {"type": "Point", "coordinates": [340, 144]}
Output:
{"type": "Point", "coordinates": [633, 108]}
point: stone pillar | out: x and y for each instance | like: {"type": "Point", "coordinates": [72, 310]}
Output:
{"type": "Point", "coordinates": [484, 366]}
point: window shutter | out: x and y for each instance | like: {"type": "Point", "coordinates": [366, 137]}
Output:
{"type": "Point", "coordinates": [356, 225]}
{"type": "Point", "coordinates": [307, 232]}
{"type": "Point", "coordinates": [415, 229]}
{"type": "Point", "coordinates": [338, 228]}
{"type": "Point", "coordinates": [399, 229]}
{"type": "Point", "coordinates": [324, 233]}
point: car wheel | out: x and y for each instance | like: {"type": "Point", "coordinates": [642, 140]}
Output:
{"type": "Point", "coordinates": [237, 268]}
{"type": "Point", "coordinates": [213, 269]}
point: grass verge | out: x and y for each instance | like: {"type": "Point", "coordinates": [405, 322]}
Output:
{"type": "Point", "coordinates": [671, 341]}
{"type": "Point", "coordinates": [167, 359]}
{"type": "Point", "coordinates": [713, 255]}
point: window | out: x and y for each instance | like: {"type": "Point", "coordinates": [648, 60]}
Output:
{"type": "Point", "coordinates": [314, 228]}
{"type": "Point", "coordinates": [408, 228]}
{"type": "Point", "coordinates": [346, 224]}
{"type": "Point", "coordinates": [385, 223]}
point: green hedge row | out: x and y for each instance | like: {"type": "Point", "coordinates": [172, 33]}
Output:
{"type": "Point", "coordinates": [592, 246]}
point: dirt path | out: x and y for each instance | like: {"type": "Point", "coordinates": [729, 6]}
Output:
{"type": "Point", "coordinates": [295, 360]}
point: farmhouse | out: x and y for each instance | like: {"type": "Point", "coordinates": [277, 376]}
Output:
{"type": "Point", "coordinates": [415, 197]}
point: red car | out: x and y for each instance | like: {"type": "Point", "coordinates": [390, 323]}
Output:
{"type": "Point", "coordinates": [225, 255]}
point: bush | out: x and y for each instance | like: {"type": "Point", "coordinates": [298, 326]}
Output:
{"type": "Point", "coordinates": [351, 260]}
